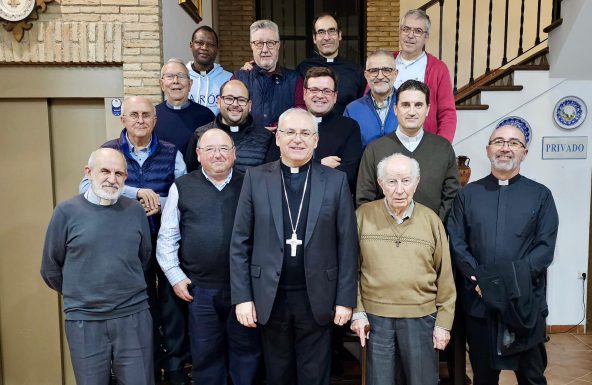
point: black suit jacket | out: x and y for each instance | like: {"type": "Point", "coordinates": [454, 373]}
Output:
{"type": "Point", "coordinates": [330, 244]}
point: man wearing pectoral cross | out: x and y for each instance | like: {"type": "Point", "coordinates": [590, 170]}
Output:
{"type": "Point", "coordinates": [293, 255]}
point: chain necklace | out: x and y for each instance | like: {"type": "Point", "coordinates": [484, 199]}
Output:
{"type": "Point", "coordinates": [398, 236]}
{"type": "Point", "coordinates": [293, 241]}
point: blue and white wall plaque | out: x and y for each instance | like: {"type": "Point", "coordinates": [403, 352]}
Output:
{"type": "Point", "coordinates": [565, 147]}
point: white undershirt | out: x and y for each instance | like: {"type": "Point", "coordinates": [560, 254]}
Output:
{"type": "Point", "coordinates": [410, 69]}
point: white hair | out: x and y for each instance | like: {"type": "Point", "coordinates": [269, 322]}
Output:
{"type": "Point", "coordinates": [174, 60]}
{"type": "Point", "coordinates": [417, 14]}
{"type": "Point", "coordinates": [292, 111]}
{"type": "Point", "coordinates": [381, 168]}
{"type": "Point", "coordinates": [264, 24]}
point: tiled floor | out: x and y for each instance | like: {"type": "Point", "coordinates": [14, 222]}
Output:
{"type": "Point", "coordinates": [569, 361]}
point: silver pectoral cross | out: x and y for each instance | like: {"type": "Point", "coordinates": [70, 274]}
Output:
{"type": "Point", "coordinates": [294, 242]}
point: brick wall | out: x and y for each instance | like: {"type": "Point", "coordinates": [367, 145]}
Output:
{"type": "Point", "coordinates": [87, 32]}
{"type": "Point", "coordinates": [234, 19]}
{"type": "Point", "coordinates": [382, 25]}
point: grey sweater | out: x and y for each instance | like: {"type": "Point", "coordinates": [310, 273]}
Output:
{"type": "Point", "coordinates": [96, 257]}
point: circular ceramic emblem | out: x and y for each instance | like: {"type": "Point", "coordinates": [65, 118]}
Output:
{"type": "Point", "coordinates": [570, 112]}
{"type": "Point", "coordinates": [520, 124]}
{"type": "Point", "coordinates": [16, 10]}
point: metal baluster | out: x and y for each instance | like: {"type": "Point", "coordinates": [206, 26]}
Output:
{"type": "Point", "coordinates": [537, 40]}
{"type": "Point", "coordinates": [456, 46]}
{"type": "Point", "coordinates": [471, 78]}
{"type": "Point", "coordinates": [505, 59]}
{"type": "Point", "coordinates": [441, 23]}
{"type": "Point", "coordinates": [520, 50]}
{"type": "Point", "coordinates": [487, 67]}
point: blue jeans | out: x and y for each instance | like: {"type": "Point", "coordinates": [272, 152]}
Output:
{"type": "Point", "coordinates": [418, 358]}
{"type": "Point", "coordinates": [219, 343]}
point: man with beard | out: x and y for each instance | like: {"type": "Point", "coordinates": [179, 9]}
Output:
{"type": "Point", "coordinates": [413, 62]}
{"type": "Point", "coordinates": [374, 111]}
{"type": "Point", "coordinates": [326, 35]}
{"type": "Point", "coordinates": [153, 165]}
{"type": "Point", "coordinates": [97, 247]}
{"type": "Point", "coordinates": [206, 75]}
{"type": "Point", "coordinates": [273, 88]}
{"type": "Point", "coordinates": [294, 255]}
{"type": "Point", "coordinates": [503, 230]}
{"type": "Point", "coordinates": [178, 115]}
{"type": "Point", "coordinates": [251, 141]}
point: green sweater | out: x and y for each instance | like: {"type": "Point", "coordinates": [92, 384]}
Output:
{"type": "Point", "coordinates": [405, 269]}
{"type": "Point", "coordinates": [438, 184]}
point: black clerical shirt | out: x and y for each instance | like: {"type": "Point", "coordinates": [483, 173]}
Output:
{"type": "Point", "coordinates": [293, 277]}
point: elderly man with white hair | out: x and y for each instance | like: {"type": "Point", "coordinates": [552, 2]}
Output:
{"type": "Point", "coordinates": [406, 289]}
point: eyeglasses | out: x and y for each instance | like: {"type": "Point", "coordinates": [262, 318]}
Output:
{"type": "Point", "coordinates": [417, 32]}
{"type": "Point", "coordinates": [211, 150]}
{"type": "Point", "coordinates": [205, 44]}
{"type": "Point", "coordinates": [179, 75]}
{"type": "Point", "coordinates": [135, 116]}
{"type": "Point", "coordinates": [386, 71]}
{"type": "Point", "coordinates": [327, 32]}
{"type": "Point", "coordinates": [514, 144]}
{"type": "Point", "coordinates": [270, 44]}
{"type": "Point", "coordinates": [324, 91]}
{"type": "Point", "coordinates": [304, 134]}
{"type": "Point", "coordinates": [229, 100]}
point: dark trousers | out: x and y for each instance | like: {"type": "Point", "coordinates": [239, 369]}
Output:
{"type": "Point", "coordinates": [220, 345]}
{"type": "Point", "coordinates": [532, 363]}
{"type": "Point", "coordinates": [296, 349]}
{"type": "Point", "coordinates": [169, 315]}
{"type": "Point", "coordinates": [124, 344]}
{"type": "Point", "coordinates": [416, 354]}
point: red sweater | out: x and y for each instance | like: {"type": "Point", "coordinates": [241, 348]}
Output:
{"type": "Point", "coordinates": [441, 119]}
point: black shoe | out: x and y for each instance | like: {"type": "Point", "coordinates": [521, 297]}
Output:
{"type": "Point", "coordinates": [177, 377]}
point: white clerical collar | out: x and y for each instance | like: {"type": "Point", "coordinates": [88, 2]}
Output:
{"type": "Point", "coordinates": [503, 182]}
{"type": "Point", "coordinates": [95, 199]}
{"type": "Point", "coordinates": [181, 107]}
{"type": "Point", "coordinates": [318, 119]}
{"type": "Point", "coordinates": [234, 128]}
{"type": "Point", "coordinates": [330, 59]}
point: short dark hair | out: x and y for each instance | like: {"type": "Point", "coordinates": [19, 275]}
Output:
{"type": "Point", "coordinates": [414, 85]}
{"type": "Point", "coordinates": [320, 16]}
{"type": "Point", "coordinates": [205, 28]}
{"type": "Point", "coordinates": [317, 72]}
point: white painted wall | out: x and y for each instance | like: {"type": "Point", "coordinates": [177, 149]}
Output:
{"type": "Point", "coordinates": [571, 57]}
{"type": "Point", "coordinates": [177, 27]}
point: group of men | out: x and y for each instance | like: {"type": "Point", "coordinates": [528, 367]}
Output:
{"type": "Point", "coordinates": [228, 210]}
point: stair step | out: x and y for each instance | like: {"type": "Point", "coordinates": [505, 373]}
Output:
{"type": "Point", "coordinates": [472, 107]}
{"type": "Point", "coordinates": [500, 88]}
{"type": "Point", "coordinates": [531, 67]}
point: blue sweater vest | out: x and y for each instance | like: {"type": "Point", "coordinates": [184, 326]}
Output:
{"type": "Point", "coordinates": [157, 173]}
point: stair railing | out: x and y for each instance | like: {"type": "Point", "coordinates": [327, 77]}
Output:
{"type": "Point", "coordinates": [486, 18]}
